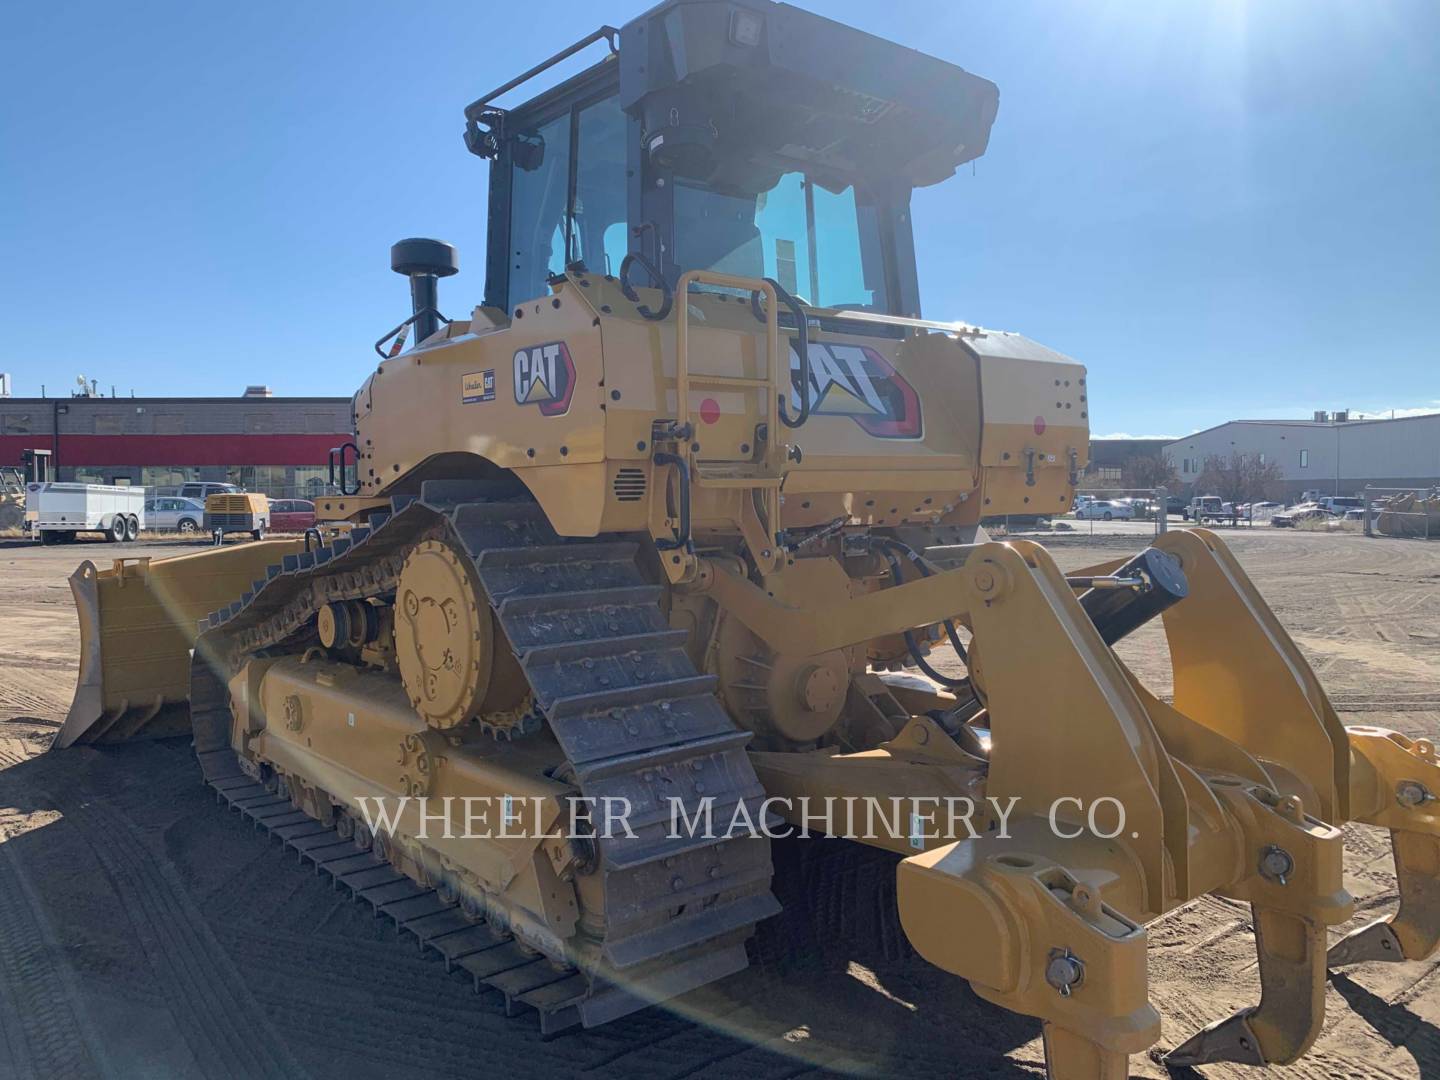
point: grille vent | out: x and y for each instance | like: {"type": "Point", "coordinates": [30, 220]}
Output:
{"type": "Point", "coordinates": [629, 485]}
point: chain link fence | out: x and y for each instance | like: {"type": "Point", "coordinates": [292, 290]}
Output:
{"type": "Point", "coordinates": [1123, 504]}
{"type": "Point", "coordinates": [1103, 504]}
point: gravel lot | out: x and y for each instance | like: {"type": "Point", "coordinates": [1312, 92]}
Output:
{"type": "Point", "coordinates": [145, 932]}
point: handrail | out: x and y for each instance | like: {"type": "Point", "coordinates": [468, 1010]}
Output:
{"type": "Point", "coordinates": [609, 33]}
{"type": "Point", "coordinates": [400, 342]}
{"type": "Point", "coordinates": [480, 111]}
{"type": "Point", "coordinates": [683, 541]}
{"type": "Point", "coordinates": [779, 367]}
{"type": "Point", "coordinates": [629, 290]}
{"type": "Point", "coordinates": [760, 526]}
{"type": "Point", "coordinates": [338, 453]}
{"type": "Point", "coordinates": [802, 348]}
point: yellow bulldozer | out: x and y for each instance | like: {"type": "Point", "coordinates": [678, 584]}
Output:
{"type": "Point", "coordinates": [634, 568]}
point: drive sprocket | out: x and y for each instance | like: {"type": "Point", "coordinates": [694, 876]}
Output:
{"type": "Point", "coordinates": [444, 634]}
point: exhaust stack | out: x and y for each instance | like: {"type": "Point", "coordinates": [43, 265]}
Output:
{"type": "Point", "coordinates": [424, 262]}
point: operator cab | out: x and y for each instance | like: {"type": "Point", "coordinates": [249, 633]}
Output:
{"type": "Point", "coordinates": [749, 138]}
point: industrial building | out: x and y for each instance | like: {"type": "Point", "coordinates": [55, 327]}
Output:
{"type": "Point", "coordinates": [275, 445]}
{"type": "Point", "coordinates": [1330, 453]}
{"type": "Point", "coordinates": [1108, 458]}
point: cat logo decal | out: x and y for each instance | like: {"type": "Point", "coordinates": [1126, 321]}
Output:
{"type": "Point", "coordinates": [856, 381]}
{"type": "Point", "coordinates": [545, 376]}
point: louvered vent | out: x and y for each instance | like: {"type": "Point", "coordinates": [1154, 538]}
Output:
{"type": "Point", "coordinates": [630, 485]}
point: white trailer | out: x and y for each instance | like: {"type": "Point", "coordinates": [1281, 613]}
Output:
{"type": "Point", "coordinates": [55, 512]}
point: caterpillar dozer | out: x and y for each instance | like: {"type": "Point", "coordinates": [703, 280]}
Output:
{"type": "Point", "coordinates": [665, 529]}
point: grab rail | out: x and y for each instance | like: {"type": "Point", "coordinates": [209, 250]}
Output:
{"type": "Point", "coordinates": [777, 377]}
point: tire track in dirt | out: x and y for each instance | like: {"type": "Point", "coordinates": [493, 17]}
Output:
{"type": "Point", "coordinates": [16, 702]}
{"type": "Point", "coordinates": [1387, 612]}
{"type": "Point", "coordinates": [12, 752]}
{"type": "Point", "coordinates": [226, 1031]}
{"type": "Point", "coordinates": [44, 1032]}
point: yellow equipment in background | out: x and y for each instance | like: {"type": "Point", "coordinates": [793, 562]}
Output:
{"type": "Point", "coordinates": [231, 512]}
{"type": "Point", "coordinates": [12, 498]}
{"type": "Point", "coordinates": [1408, 514]}
{"type": "Point", "coordinates": [653, 526]}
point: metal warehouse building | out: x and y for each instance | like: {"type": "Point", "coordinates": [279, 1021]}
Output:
{"type": "Point", "coordinates": [275, 445]}
{"type": "Point", "coordinates": [1331, 453]}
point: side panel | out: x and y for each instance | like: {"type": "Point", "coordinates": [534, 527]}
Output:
{"type": "Point", "coordinates": [1037, 431]}
{"type": "Point", "coordinates": [908, 423]}
{"type": "Point", "coordinates": [525, 395]}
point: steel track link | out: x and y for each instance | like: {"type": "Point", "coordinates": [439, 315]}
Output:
{"type": "Point", "coordinates": [638, 725]}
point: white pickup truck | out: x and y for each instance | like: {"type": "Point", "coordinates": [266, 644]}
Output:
{"type": "Point", "coordinates": [56, 511]}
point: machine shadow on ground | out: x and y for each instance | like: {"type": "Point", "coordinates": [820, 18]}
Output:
{"type": "Point", "coordinates": [165, 935]}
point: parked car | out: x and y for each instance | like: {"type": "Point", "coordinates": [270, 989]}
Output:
{"type": "Point", "coordinates": [1141, 508]}
{"type": "Point", "coordinates": [1258, 511]}
{"type": "Point", "coordinates": [202, 490]}
{"type": "Point", "coordinates": [1103, 510]}
{"type": "Point", "coordinates": [1288, 519]}
{"type": "Point", "coordinates": [173, 512]}
{"type": "Point", "coordinates": [291, 515]}
{"type": "Point", "coordinates": [1175, 504]}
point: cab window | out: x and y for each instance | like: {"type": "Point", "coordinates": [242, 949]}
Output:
{"type": "Point", "coordinates": [597, 220]}
{"type": "Point", "coordinates": [567, 196]}
{"type": "Point", "coordinates": [823, 246]}
{"type": "Point", "coordinates": [538, 197]}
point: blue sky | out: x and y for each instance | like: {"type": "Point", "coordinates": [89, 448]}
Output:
{"type": "Point", "coordinates": [1223, 209]}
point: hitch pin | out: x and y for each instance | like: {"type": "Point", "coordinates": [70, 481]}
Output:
{"type": "Point", "coordinates": [1107, 582]}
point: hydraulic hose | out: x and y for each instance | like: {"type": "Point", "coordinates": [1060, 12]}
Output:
{"type": "Point", "coordinates": [914, 646]}
{"type": "Point", "coordinates": [920, 564]}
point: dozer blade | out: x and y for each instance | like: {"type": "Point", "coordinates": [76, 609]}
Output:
{"type": "Point", "coordinates": [137, 625]}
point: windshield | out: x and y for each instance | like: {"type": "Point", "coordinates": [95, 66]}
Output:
{"type": "Point", "coordinates": [822, 247]}
{"type": "Point", "coordinates": [567, 199]}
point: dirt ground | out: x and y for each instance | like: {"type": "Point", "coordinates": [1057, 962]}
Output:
{"type": "Point", "coordinates": [143, 932]}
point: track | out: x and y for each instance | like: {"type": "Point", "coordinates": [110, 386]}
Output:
{"type": "Point", "coordinates": [619, 693]}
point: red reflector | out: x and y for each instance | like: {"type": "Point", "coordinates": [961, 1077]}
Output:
{"type": "Point", "coordinates": [1039, 425]}
{"type": "Point", "coordinates": [709, 410]}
